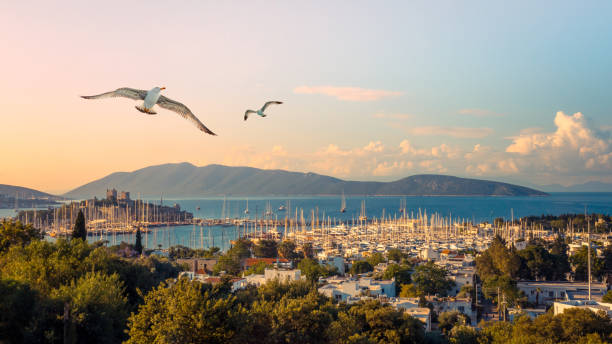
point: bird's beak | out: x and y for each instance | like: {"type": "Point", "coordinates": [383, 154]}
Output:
{"type": "Point", "coordinates": [162, 88]}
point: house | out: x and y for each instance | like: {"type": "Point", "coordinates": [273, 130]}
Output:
{"type": "Point", "coordinates": [546, 292]}
{"type": "Point", "coordinates": [351, 290]}
{"type": "Point", "coordinates": [423, 314]}
{"type": "Point", "coordinates": [282, 275]}
{"type": "Point", "coordinates": [560, 307]}
{"type": "Point", "coordinates": [463, 276]}
{"type": "Point", "coordinates": [449, 304]}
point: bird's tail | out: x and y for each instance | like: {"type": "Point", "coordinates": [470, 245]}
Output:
{"type": "Point", "coordinates": [143, 109]}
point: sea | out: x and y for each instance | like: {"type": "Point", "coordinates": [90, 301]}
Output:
{"type": "Point", "coordinates": [474, 208]}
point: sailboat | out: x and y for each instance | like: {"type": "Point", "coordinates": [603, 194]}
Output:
{"type": "Point", "coordinates": [343, 203]}
{"type": "Point", "coordinates": [282, 208]}
{"type": "Point", "coordinates": [246, 211]}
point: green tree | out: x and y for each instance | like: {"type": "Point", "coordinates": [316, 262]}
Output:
{"type": "Point", "coordinates": [579, 261]}
{"type": "Point", "coordinates": [608, 297]}
{"type": "Point", "coordinates": [409, 290]}
{"type": "Point", "coordinates": [138, 243]}
{"type": "Point", "coordinates": [286, 249]}
{"type": "Point", "coordinates": [462, 334]}
{"type": "Point", "coordinates": [188, 312]}
{"type": "Point", "coordinates": [79, 231]}
{"type": "Point", "coordinates": [266, 249]}
{"type": "Point", "coordinates": [313, 270]}
{"type": "Point", "coordinates": [17, 311]}
{"type": "Point", "coordinates": [431, 279]}
{"type": "Point", "coordinates": [536, 263]}
{"type": "Point", "coordinates": [360, 267]}
{"type": "Point", "coordinates": [308, 250]}
{"type": "Point", "coordinates": [448, 320]}
{"type": "Point", "coordinates": [259, 269]}
{"type": "Point", "coordinates": [16, 233]}
{"type": "Point", "coordinates": [97, 307]}
{"type": "Point", "coordinates": [396, 255]}
{"type": "Point", "coordinates": [376, 258]}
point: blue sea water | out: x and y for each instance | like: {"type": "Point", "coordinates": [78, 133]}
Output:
{"type": "Point", "coordinates": [476, 209]}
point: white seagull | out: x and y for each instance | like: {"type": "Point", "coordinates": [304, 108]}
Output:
{"type": "Point", "coordinates": [150, 99]}
{"type": "Point", "coordinates": [260, 111]}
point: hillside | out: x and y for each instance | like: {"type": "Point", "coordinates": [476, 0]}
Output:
{"type": "Point", "coordinates": [187, 180]}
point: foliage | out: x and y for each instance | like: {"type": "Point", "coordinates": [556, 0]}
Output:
{"type": "Point", "coordinates": [180, 251]}
{"type": "Point", "coordinates": [430, 279]}
{"type": "Point", "coordinates": [360, 267]}
{"type": "Point", "coordinates": [448, 320]}
{"type": "Point", "coordinates": [401, 273]}
{"type": "Point", "coordinates": [258, 269]}
{"type": "Point", "coordinates": [79, 231]}
{"type": "Point", "coordinates": [575, 325]}
{"type": "Point", "coordinates": [286, 249]}
{"type": "Point", "coordinates": [608, 297]}
{"type": "Point", "coordinates": [308, 250]}
{"type": "Point", "coordinates": [463, 334]}
{"type": "Point", "coordinates": [466, 291]}
{"type": "Point", "coordinates": [579, 261]}
{"type": "Point", "coordinates": [138, 243]}
{"type": "Point", "coordinates": [187, 313]}
{"type": "Point", "coordinates": [266, 249]}
{"type": "Point", "coordinates": [97, 307]}
{"type": "Point", "coordinates": [17, 310]}
{"type": "Point", "coordinates": [313, 270]}
{"type": "Point", "coordinates": [376, 258]}
{"type": "Point", "coordinates": [16, 233]}
{"type": "Point", "coordinates": [409, 290]}
{"type": "Point", "coordinates": [395, 254]}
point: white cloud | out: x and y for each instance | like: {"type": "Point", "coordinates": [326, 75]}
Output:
{"type": "Point", "coordinates": [458, 132]}
{"type": "Point", "coordinates": [355, 94]}
{"type": "Point", "coordinates": [573, 146]}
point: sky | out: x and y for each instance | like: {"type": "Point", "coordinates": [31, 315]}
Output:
{"type": "Point", "coordinates": [516, 92]}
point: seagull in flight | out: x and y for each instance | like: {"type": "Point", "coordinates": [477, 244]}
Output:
{"type": "Point", "coordinates": [260, 112]}
{"type": "Point", "coordinates": [151, 98]}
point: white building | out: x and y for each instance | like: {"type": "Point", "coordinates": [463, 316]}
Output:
{"type": "Point", "coordinates": [560, 307]}
{"type": "Point", "coordinates": [349, 290]}
{"type": "Point", "coordinates": [541, 292]}
{"type": "Point", "coordinates": [336, 261]}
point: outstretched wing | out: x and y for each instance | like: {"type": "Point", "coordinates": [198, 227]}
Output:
{"type": "Point", "coordinates": [268, 104]}
{"type": "Point", "coordinates": [247, 112]}
{"type": "Point", "coordinates": [124, 92]}
{"type": "Point", "coordinates": [169, 104]}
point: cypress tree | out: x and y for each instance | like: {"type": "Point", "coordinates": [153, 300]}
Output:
{"type": "Point", "coordinates": [138, 244]}
{"type": "Point", "coordinates": [79, 230]}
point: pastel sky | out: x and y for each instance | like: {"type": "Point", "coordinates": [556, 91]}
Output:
{"type": "Point", "coordinates": [517, 91]}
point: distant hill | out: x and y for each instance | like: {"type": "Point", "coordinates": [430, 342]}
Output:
{"type": "Point", "coordinates": [187, 180]}
{"type": "Point", "coordinates": [592, 186]}
{"type": "Point", "coordinates": [22, 192]}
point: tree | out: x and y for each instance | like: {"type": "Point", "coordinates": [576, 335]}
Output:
{"type": "Point", "coordinates": [97, 308]}
{"type": "Point", "coordinates": [79, 231]}
{"type": "Point", "coordinates": [17, 310]}
{"type": "Point", "coordinates": [462, 334]}
{"type": "Point", "coordinates": [608, 297]}
{"type": "Point", "coordinates": [580, 264]}
{"type": "Point", "coordinates": [536, 263]}
{"type": "Point", "coordinates": [448, 320]}
{"type": "Point", "coordinates": [188, 312]}
{"type": "Point", "coordinates": [313, 270]}
{"type": "Point", "coordinates": [409, 290]}
{"type": "Point", "coordinates": [286, 249]}
{"type": "Point", "coordinates": [308, 250]}
{"type": "Point", "coordinates": [266, 249]}
{"type": "Point", "coordinates": [376, 258]}
{"type": "Point", "coordinates": [360, 267]}
{"type": "Point", "coordinates": [431, 279]}
{"type": "Point", "coordinates": [16, 233]}
{"type": "Point", "coordinates": [396, 255]}
{"type": "Point", "coordinates": [138, 243]}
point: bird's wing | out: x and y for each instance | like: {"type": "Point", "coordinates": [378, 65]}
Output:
{"type": "Point", "coordinates": [247, 112]}
{"type": "Point", "coordinates": [125, 92]}
{"type": "Point", "coordinates": [268, 104]}
{"type": "Point", "coordinates": [169, 104]}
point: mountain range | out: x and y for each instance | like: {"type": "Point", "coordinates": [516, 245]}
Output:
{"type": "Point", "coordinates": [187, 180]}
{"type": "Point", "coordinates": [25, 193]}
{"type": "Point", "coordinates": [592, 186]}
